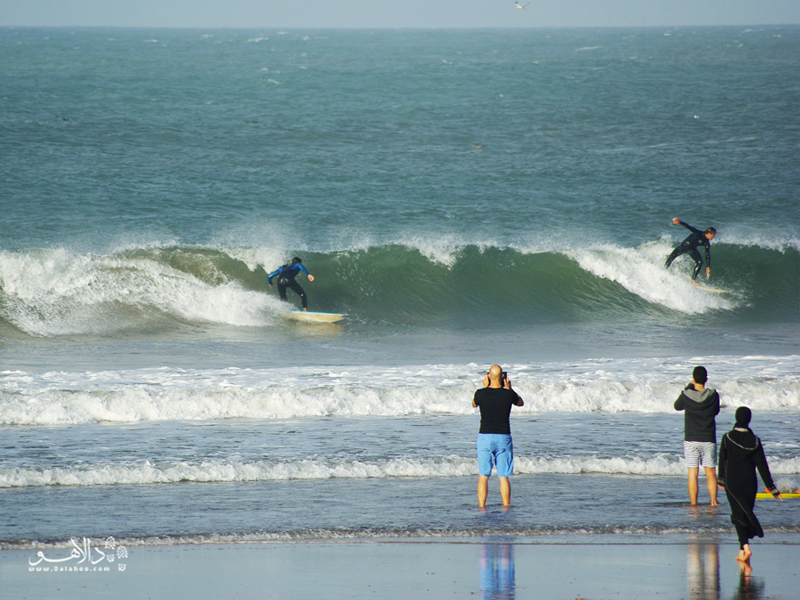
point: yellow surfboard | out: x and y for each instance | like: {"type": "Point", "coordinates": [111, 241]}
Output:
{"type": "Point", "coordinates": [767, 496]}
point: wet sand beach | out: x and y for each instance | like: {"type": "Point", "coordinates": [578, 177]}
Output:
{"type": "Point", "coordinates": [496, 568]}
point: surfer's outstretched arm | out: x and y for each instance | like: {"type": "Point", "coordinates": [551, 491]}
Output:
{"type": "Point", "coordinates": [677, 221]}
{"type": "Point", "coordinates": [304, 270]}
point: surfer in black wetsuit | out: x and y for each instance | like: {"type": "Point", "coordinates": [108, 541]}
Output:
{"type": "Point", "coordinates": [689, 246]}
{"type": "Point", "coordinates": [286, 275]}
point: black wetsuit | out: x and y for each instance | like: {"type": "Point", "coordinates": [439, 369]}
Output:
{"type": "Point", "coordinates": [689, 246]}
{"type": "Point", "coordinates": [286, 275]}
{"type": "Point", "coordinates": [740, 454]}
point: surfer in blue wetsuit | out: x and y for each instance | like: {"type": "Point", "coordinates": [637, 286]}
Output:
{"type": "Point", "coordinates": [689, 246]}
{"type": "Point", "coordinates": [286, 275]}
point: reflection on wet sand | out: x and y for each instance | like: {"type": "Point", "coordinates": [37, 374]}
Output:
{"type": "Point", "coordinates": [702, 571]}
{"type": "Point", "coordinates": [750, 588]}
{"type": "Point", "coordinates": [702, 575]}
{"type": "Point", "coordinates": [496, 569]}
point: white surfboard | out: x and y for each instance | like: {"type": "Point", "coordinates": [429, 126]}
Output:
{"type": "Point", "coordinates": [712, 290]}
{"type": "Point", "coordinates": [315, 317]}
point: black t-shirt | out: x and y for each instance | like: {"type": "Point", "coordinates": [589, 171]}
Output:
{"type": "Point", "coordinates": [495, 405]}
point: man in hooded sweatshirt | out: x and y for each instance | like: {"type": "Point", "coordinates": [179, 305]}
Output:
{"type": "Point", "coordinates": [700, 406]}
{"type": "Point", "coordinates": [740, 454]}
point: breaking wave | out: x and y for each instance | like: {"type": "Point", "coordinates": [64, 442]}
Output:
{"type": "Point", "coordinates": [217, 471]}
{"type": "Point", "coordinates": [55, 292]}
{"type": "Point", "coordinates": [170, 394]}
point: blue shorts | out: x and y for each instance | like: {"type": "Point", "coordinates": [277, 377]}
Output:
{"type": "Point", "coordinates": [495, 449]}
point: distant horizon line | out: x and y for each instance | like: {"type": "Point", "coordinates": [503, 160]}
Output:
{"type": "Point", "coordinates": [386, 28]}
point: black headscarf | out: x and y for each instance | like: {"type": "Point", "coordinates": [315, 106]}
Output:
{"type": "Point", "coordinates": [743, 416]}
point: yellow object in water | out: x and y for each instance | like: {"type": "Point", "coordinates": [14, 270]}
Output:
{"type": "Point", "coordinates": [768, 496]}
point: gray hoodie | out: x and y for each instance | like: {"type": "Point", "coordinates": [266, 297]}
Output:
{"type": "Point", "coordinates": [700, 409]}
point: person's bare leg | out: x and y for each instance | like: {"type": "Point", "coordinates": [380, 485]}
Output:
{"type": "Point", "coordinates": [711, 484]}
{"type": "Point", "coordinates": [483, 490]}
{"type": "Point", "coordinates": [505, 491]}
{"type": "Point", "coordinates": [692, 485]}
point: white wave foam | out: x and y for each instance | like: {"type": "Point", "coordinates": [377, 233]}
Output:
{"type": "Point", "coordinates": [54, 292]}
{"type": "Point", "coordinates": [778, 238]}
{"type": "Point", "coordinates": [280, 239]}
{"type": "Point", "coordinates": [257, 246]}
{"type": "Point", "coordinates": [613, 386]}
{"type": "Point", "coordinates": [641, 271]}
{"type": "Point", "coordinates": [786, 485]}
{"type": "Point", "coordinates": [664, 465]}
{"type": "Point", "coordinates": [307, 469]}
{"type": "Point", "coordinates": [267, 258]}
{"type": "Point", "coordinates": [444, 250]}
{"type": "Point", "coordinates": [224, 471]}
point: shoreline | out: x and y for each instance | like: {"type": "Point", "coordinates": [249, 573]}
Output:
{"type": "Point", "coordinates": [667, 538]}
{"type": "Point", "coordinates": [491, 567]}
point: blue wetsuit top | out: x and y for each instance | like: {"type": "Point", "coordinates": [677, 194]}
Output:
{"type": "Point", "coordinates": [287, 271]}
{"type": "Point", "coordinates": [698, 238]}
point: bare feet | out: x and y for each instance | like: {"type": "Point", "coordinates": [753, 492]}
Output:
{"type": "Point", "coordinates": [744, 554]}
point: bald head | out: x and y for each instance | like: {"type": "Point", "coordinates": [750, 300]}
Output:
{"type": "Point", "coordinates": [496, 375]}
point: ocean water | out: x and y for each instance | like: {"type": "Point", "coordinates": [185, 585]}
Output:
{"type": "Point", "coordinates": [466, 197]}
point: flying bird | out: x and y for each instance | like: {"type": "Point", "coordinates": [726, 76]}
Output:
{"type": "Point", "coordinates": [521, 6]}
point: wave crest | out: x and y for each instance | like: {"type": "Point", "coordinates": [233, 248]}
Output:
{"type": "Point", "coordinates": [217, 471]}
{"type": "Point", "coordinates": [639, 386]}
{"type": "Point", "coordinates": [54, 292]}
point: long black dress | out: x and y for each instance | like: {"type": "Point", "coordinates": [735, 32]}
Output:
{"type": "Point", "coordinates": [740, 454]}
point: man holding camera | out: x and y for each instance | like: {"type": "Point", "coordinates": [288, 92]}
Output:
{"type": "Point", "coordinates": [701, 406]}
{"type": "Point", "coordinates": [495, 448]}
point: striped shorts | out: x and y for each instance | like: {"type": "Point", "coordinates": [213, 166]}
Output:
{"type": "Point", "coordinates": [700, 453]}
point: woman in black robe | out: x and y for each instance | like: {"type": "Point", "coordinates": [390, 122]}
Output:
{"type": "Point", "coordinates": [740, 454]}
